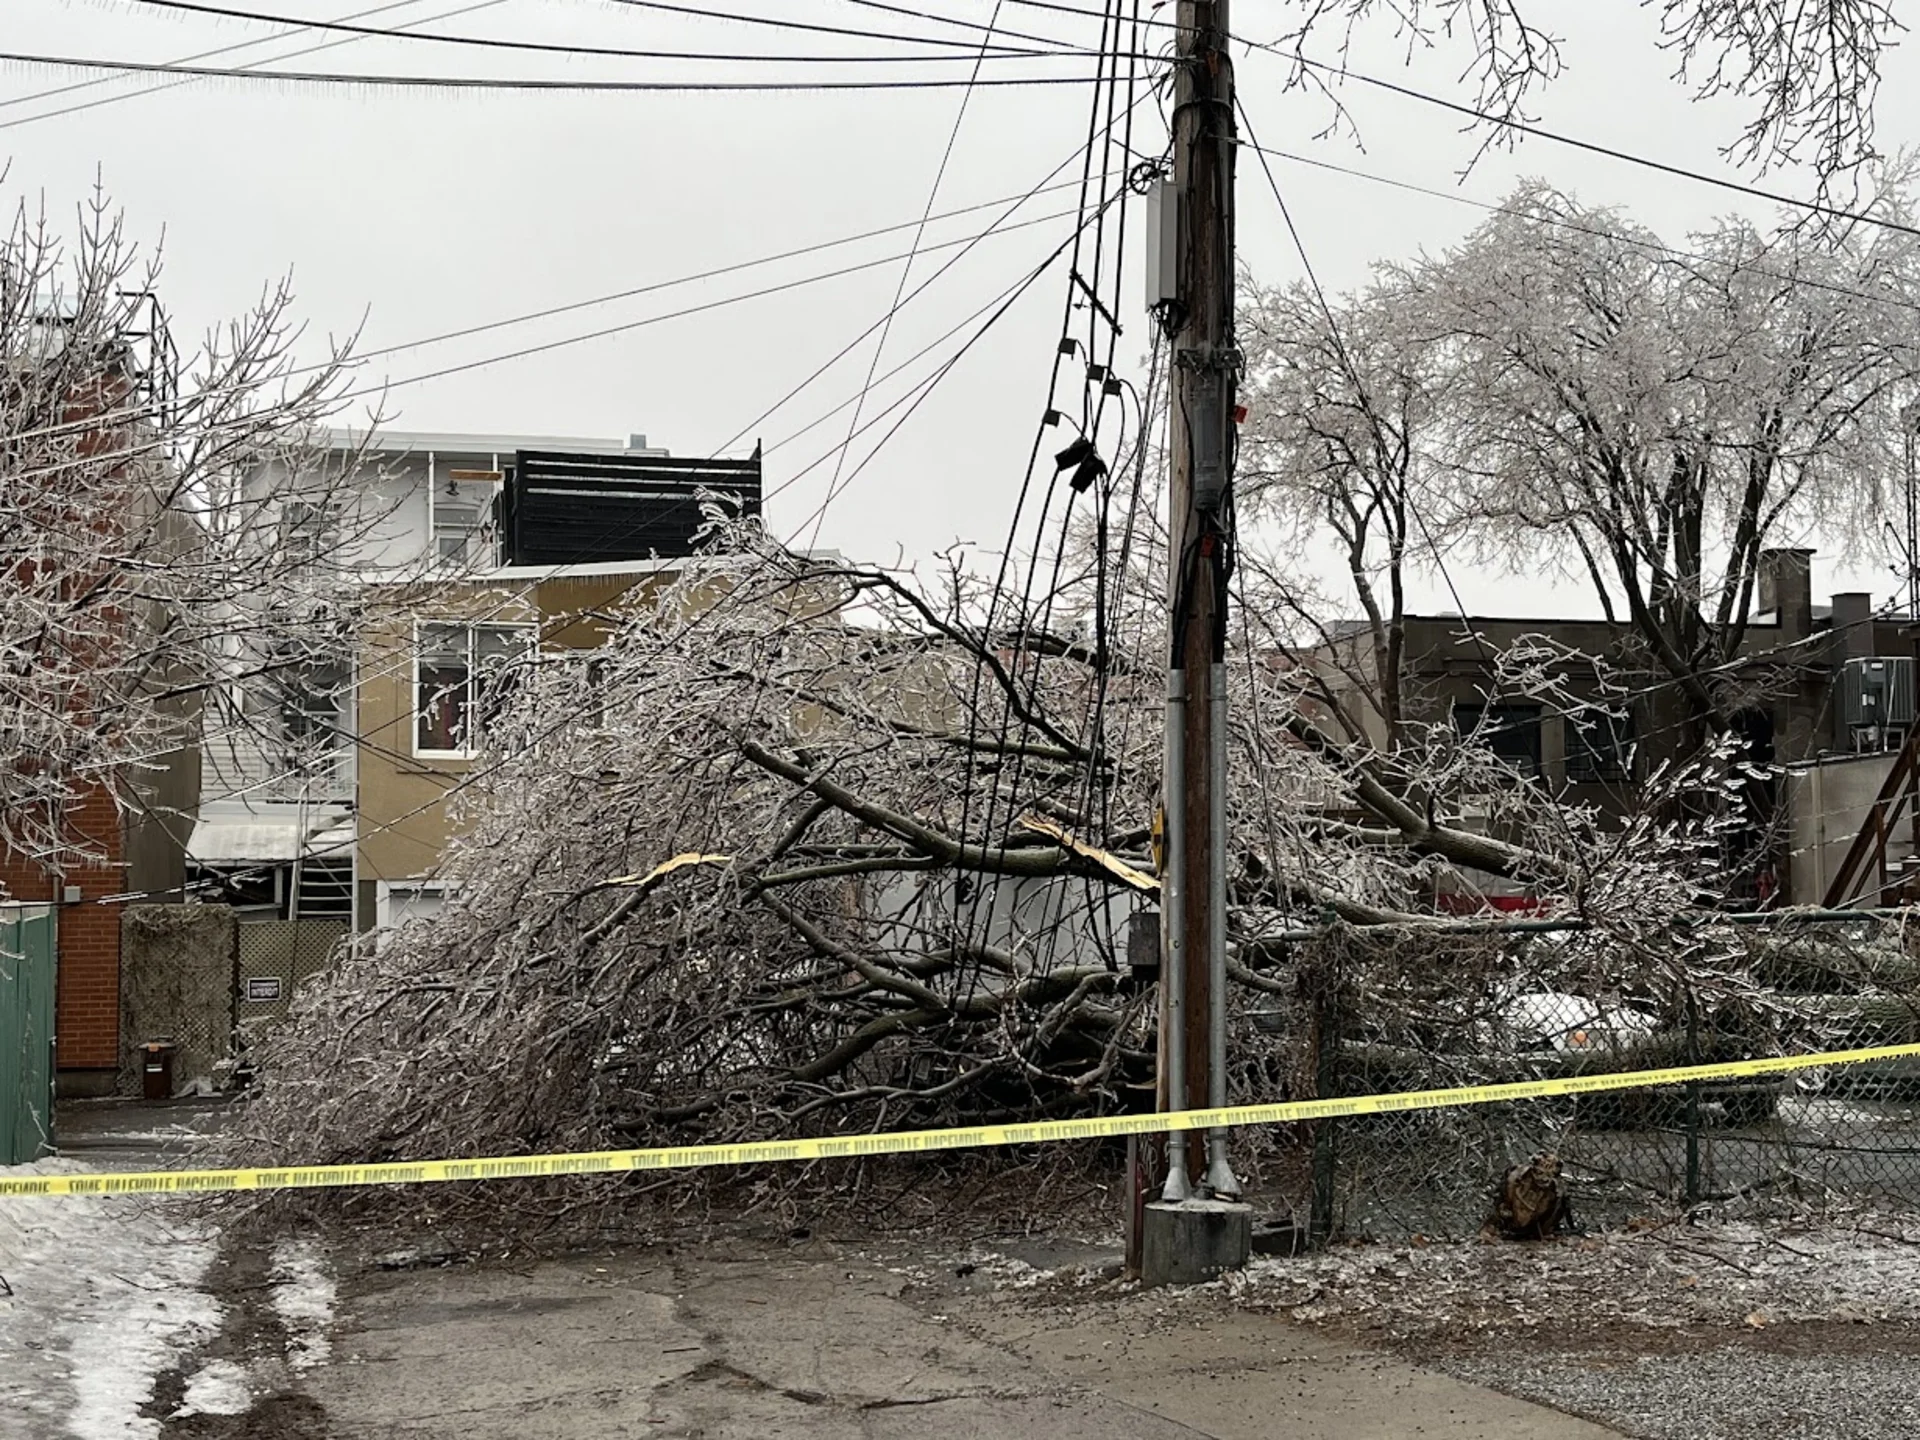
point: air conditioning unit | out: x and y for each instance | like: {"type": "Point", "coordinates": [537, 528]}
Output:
{"type": "Point", "coordinates": [1874, 701]}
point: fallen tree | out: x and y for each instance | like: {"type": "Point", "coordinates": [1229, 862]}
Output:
{"type": "Point", "coordinates": [788, 874]}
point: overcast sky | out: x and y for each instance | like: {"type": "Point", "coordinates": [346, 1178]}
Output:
{"type": "Point", "coordinates": [408, 214]}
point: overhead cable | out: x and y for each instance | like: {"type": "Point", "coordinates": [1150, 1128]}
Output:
{"type": "Point", "coordinates": [960, 55]}
{"type": "Point", "coordinates": [522, 83]}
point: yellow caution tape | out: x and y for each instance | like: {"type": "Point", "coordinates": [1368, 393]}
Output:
{"type": "Point", "coordinates": [836, 1147]}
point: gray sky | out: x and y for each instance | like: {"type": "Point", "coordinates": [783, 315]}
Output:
{"type": "Point", "coordinates": [421, 213]}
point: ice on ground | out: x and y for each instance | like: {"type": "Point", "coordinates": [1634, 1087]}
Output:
{"type": "Point", "coordinates": [303, 1296]}
{"type": "Point", "coordinates": [101, 1295]}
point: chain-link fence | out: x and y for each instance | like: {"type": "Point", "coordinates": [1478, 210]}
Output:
{"type": "Point", "coordinates": [205, 988]}
{"type": "Point", "coordinates": [1418, 1009]}
{"type": "Point", "coordinates": [276, 957]}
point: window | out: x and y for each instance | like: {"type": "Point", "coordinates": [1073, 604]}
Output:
{"type": "Point", "coordinates": [1511, 732]}
{"type": "Point", "coordinates": [1599, 746]}
{"type": "Point", "coordinates": [308, 531]}
{"type": "Point", "coordinates": [309, 699]}
{"type": "Point", "coordinates": [463, 675]}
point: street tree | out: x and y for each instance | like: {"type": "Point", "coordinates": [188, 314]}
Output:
{"type": "Point", "coordinates": [144, 578]}
{"type": "Point", "coordinates": [1810, 72]}
{"type": "Point", "coordinates": [1658, 417]}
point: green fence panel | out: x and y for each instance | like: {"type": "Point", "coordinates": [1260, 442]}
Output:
{"type": "Point", "coordinates": [26, 1033]}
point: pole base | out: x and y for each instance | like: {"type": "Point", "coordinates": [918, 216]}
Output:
{"type": "Point", "coordinates": [1194, 1241]}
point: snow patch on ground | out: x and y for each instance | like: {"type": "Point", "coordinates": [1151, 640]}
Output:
{"type": "Point", "coordinates": [104, 1296]}
{"type": "Point", "coordinates": [220, 1387]}
{"type": "Point", "coordinates": [303, 1296]}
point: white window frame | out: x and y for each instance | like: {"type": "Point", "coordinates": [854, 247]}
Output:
{"type": "Point", "coordinates": [385, 891]}
{"type": "Point", "coordinates": [529, 632]}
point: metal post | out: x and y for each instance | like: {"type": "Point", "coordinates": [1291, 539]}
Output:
{"type": "Point", "coordinates": [1326, 1076]}
{"type": "Point", "coordinates": [1173, 909]}
{"type": "Point", "coordinates": [1910, 417]}
{"type": "Point", "coordinates": [1200, 427]}
{"type": "Point", "coordinates": [1693, 1101]}
{"type": "Point", "coordinates": [1220, 1177]}
{"type": "Point", "coordinates": [1187, 1236]}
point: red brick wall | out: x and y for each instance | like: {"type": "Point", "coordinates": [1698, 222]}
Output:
{"type": "Point", "coordinates": [87, 1001]}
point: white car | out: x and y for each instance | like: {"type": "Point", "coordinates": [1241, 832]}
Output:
{"type": "Point", "coordinates": [1554, 1021]}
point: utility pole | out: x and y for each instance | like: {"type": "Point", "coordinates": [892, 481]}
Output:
{"type": "Point", "coordinates": [1198, 1228]}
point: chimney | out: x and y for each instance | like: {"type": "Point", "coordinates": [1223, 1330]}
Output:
{"type": "Point", "coordinates": [1786, 586]}
{"type": "Point", "coordinates": [1853, 625]}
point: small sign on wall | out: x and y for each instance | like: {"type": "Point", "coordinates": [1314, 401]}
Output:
{"type": "Point", "coordinates": [263, 987]}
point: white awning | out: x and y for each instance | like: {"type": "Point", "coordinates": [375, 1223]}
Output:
{"type": "Point", "coordinates": [335, 840]}
{"type": "Point", "coordinates": [224, 841]}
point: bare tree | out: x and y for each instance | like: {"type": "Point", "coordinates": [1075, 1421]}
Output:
{"type": "Point", "coordinates": [1811, 71]}
{"type": "Point", "coordinates": [141, 573]}
{"type": "Point", "coordinates": [1344, 407]}
{"type": "Point", "coordinates": [1660, 418]}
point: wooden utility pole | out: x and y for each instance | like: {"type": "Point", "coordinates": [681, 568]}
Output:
{"type": "Point", "coordinates": [1201, 441]}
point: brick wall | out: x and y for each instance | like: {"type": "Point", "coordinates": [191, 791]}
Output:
{"type": "Point", "coordinates": [87, 1001]}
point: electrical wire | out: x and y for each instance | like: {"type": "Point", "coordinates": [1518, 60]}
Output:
{"type": "Point", "coordinates": [1045, 187]}
{"type": "Point", "coordinates": [115, 98]}
{"type": "Point", "coordinates": [548, 48]}
{"type": "Point", "coordinates": [906, 269]}
{"type": "Point", "coordinates": [1561, 222]}
{"type": "Point", "coordinates": [58, 90]}
{"type": "Point", "coordinates": [1681, 172]}
{"type": "Point", "coordinates": [998, 784]}
{"type": "Point", "coordinates": [704, 13]}
{"type": "Point", "coordinates": [1507, 122]}
{"type": "Point", "coordinates": [955, 22]}
{"type": "Point", "coordinates": [526, 84]}
{"type": "Point", "coordinates": [387, 386]}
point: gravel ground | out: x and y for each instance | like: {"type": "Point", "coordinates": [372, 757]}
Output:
{"type": "Point", "coordinates": [1742, 1277]}
{"type": "Point", "coordinates": [1732, 1392]}
{"type": "Point", "coordinates": [1670, 1332]}
{"type": "Point", "coordinates": [1788, 1331]}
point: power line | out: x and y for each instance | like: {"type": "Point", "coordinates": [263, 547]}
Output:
{"type": "Point", "coordinates": [205, 55]}
{"type": "Point", "coordinates": [1506, 122]}
{"type": "Point", "coordinates": [527, 84]}
{"type": "Point", "coordinates": [85, 105]}
{"type": "Point", "coordinates": [1561, 222]}
{"type": "Point", "coordinates": [702, 12]}
{"type": "Point", "coordinates": [705, 306]}
{"type": "Point", "coordinates": [1815, 207]}
{"type": "Point", "coordinates": [906, 273]}
{"type": "Point", "coordinates": [952, 20]}
{"type": "Point", "coordinates": [1044, 188]}
{"type": "Point", "coordinates": [121, 455]}
{"type": "Point", "coordinates": [548, 48]}
{"type": "Point", "coordinates": [1109, 41]}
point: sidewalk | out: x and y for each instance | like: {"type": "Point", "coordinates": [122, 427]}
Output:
{"type": "Point", "coordinates": [136, 1319]}
{"type": "Point", "coordinates": [811, 1343]}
